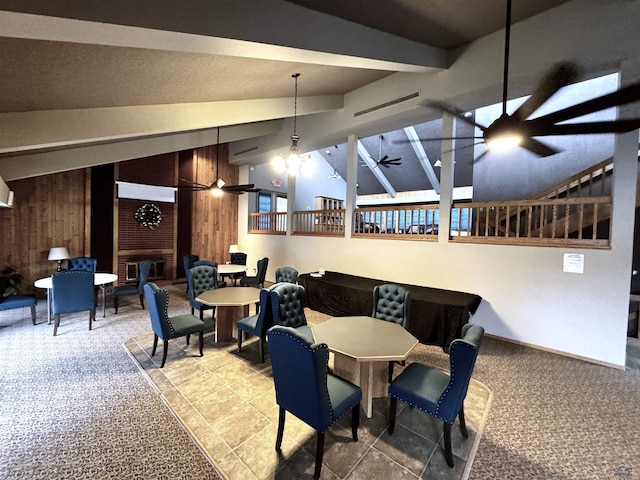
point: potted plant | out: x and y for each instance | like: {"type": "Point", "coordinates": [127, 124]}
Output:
{"type": "Point", "coordinates": [10, 281]}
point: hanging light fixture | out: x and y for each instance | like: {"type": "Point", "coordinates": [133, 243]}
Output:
{"type": "Point", "coordinates": [293, 162]}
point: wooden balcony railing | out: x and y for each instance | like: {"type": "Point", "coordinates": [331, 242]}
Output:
{"type": "Point", "coordinates": [562, 222]}
{"type": "Point", "coordinates": [412, 222]}
{"type": "Point", "coordinates": [328, 223]}
{"type": "Point", "coordinates": [274, 223]}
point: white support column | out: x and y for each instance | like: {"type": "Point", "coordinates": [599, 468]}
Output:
{"type": "Point", "coordinates": [447, 158]}
{"type": "Point", "coordinates": [291, 201]}
{"type": "Point", "coordinates": [352, 174]}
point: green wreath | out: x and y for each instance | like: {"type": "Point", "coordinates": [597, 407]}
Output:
{"type": "Point", "coordinates": [148, 215]}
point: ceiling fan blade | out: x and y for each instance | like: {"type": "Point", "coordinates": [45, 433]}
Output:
{"type": "Point", "coordinates": [436, 139]}
{"type": "Point", "coordinates": [613, 126]}
{"type": "Point", "coordinates": [238, 188]}
{"type": "Point", "coordinates": [383, 159]}
{"type": "Point", "coordinates": [452, 111]}
{"type": "Point", "coordinates": [560, 76]}
{"type": "Point", "coordinates": [537, 147]}
{"type": "Point", "coordinates": [481, 156]}
{"type": "Point", "coordinates": [623, 96]}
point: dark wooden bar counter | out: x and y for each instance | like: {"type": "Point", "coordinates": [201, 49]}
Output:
{"type": "Point", "coordinates": [436, 315]}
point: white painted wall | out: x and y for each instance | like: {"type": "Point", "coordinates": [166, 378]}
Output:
{"type": "Point", "coordinates": [527, 297]}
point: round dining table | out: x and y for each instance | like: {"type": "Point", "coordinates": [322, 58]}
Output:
{"type": "Point", "coordinates": [99, 280]}
{"type": "Point", "coordinates": [229, 269]}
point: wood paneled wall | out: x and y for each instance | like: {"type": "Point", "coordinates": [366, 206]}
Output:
{"type": "Point", "coordinates": [55, 211]}
{"type": "Point", "coordinates": [214, 219]}
{"type": "Point", "coordinates": [50, 211]}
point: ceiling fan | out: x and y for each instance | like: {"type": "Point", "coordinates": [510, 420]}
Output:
{"type": "Point", "coordinates": [384, 161]}
{"type": "Point", "coordinates": [518, 128]}
{"type": "Point", "coordinates": [218, 186]}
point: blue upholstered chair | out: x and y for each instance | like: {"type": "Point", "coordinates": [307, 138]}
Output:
{"type": "Point", "coordinates": [86, 264]}
{"type": "Point", "coordinates": [391, 303]}
{"type": "Point", "coordinates": [201, 278]}
{"type": "Point", "coordinates": [287, 306]}
{"type": "Point", "coordinates": [198, 263]}
{"type": "Point", "coordinates": [237, 258]}
{"type": "Point", "coordinates": [19, 301]}
{"type": "Point", "coordinates": [166, 327]}
{"type": "Point", "coordinates": [305, 388]}
{"type": "Point", "coordinates": [259, 323]}
{"type": "Point", "coordinates": [133, 288]}
{"type": "Point", "coordinates": [188, 262]}
{"type": "Point", "coordinates": [72, 291]}
{"type": "Point", "coordinates": [286, 274]}
{"type": "Point", "coordinates": [261, 273]}
{"type": "Point", "coordinates": [437, 393]}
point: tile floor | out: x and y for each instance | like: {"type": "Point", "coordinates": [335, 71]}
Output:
{"type": "Point", "coordinates": [226, 401]}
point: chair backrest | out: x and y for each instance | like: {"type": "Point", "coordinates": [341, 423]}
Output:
{"type": "Point", "coordinates": [286, 274]}
{"type": "Point", "coordinates": [287, 303]}
{"type": "Point", "coordinates": [262, 270]}
{"type": "Point", "coordinates": [73, 291]}
{"type": "Point", "coordinates": [144, 267]}
{"type": "Point", "coordinates": [239, 258]}
{"type": "Point", "coordinates": [265, 316]}
{"type": "Point", "coordinates": [188, 262]}
{"type": "Point", "coordinates": [391, 303]}
{"type": "Point", "coordinates": [158, 303]}
{"type": "Point", "coordinates": [201, 279]}
{"type": "Point", "coordinates": [86, 264]}
{"type": "Point", "coordinates": [206, 263]}
{"type": "Point", "coordinates": [300, 376]}
{"type": "Point", "coordinates": [462, 359]}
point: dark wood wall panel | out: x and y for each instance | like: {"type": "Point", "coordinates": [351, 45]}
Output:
{"type": "Point", "coordinates": [56, 210]}
{"type": "Point", "coordinates": [214, 219]}
{"type": "Point", "coordinates": [50, 211]}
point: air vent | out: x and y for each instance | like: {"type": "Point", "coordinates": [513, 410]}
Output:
{"type": "Point", "coordinates": [245, 151]}
{"type": "Point", "coordinates": [387, 104]}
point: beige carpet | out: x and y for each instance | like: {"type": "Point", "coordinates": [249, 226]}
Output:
{"type": "Point", "coordinates": [226, 401]}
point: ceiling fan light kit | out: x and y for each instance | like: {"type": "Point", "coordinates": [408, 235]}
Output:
{"type": "Point", "coordinates": [293, 162]}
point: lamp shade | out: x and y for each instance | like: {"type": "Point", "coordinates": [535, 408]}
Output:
{"type": "Point", "coordinates": [58, 253]}
{"type": "Point", "coordinates": [233, 249]}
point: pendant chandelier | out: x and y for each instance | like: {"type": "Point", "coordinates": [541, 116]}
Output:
{"type": "Point", "coordinates": [293, 162]}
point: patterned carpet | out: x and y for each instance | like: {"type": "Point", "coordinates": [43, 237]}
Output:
{"type": "Point", "coordinates": [76, 406]}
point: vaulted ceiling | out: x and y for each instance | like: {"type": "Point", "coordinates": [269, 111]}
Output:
{"type": "Point", "coordinates": [83, 74]}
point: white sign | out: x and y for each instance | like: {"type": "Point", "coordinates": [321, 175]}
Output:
{"type": "Point", "coordinates": [573, 263]}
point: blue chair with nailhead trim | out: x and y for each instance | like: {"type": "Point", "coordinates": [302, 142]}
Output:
{"type": "Point", "coordinates": [202, 278]}
{"type": "Point", "coordinates": [144, 267]}
{"type": "Point", "coordinates": [20, 301]}
{"type": "Point", "coordinates": [166, 327]}
{"type": "Point", "coordinates": [306, 389]}
{"type": "Point", "coordinates": [287, 305]}
{"type": "Point", "coordinates": [286, 274]}
{"type": "Point", "coordinates": [86, 264]}
{"type": "Point", "coordinates": [437, 393]}
{"type": "Point", "coordinates": [391, 303]}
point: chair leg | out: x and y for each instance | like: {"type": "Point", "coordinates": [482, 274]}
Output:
{"type": "Point", "coordinates": [240, 335]}
{"type": "Point", "coordinates": [192, 310]}
{"type": "Point", "coordinates": [201, 340]}
{"type": "Point", "coordinates": [355, 421]}
{"type": "Point", "coordinates": [142, 301]}
{"type": "Point", "coordinates": [92, 316]}
{"type": "Point", "coordinates": [33, 314]}
{"type": "Point", "coordinates": [155, 344]}
{"type": "Point", "coordinates": [261, 348]}
{"type": "Point", "coordinates": [55, 325]}
{"type": "Point", "coordinates": [463, 424]}
{"type": "Point", "coordinates": [393, 407]}
{"type": "Point", "coordinates": [188, 340]}
{"type": "Point", "coordinates": [319, 455]}
{"type": "Point", "coordinates": [390, 371]}
{"type": "Point", "coordinates": [281, 416]}
{"type": "Point", "coordinates": [115, 303]}
{"type": "Point", "coordinates": [165, 343]}
{"type": "Point", "coordinates": [202, 314]}
{"type": "Point", "coordinates": [448, 453]}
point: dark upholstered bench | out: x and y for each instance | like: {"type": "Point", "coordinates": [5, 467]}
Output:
{"type": "Point", "coordinates": [20, 301]}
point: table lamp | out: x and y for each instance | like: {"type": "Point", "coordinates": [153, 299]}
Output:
{"type": "Point", "coordinates": [59, 254]}
{"type": "Point", "coordinates": [233, 249]}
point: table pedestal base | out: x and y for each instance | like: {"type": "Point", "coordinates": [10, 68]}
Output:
{"type": "Point", "coordinates": [371, 377]}
{"type": "Point", "coordinates": [226, 320]}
